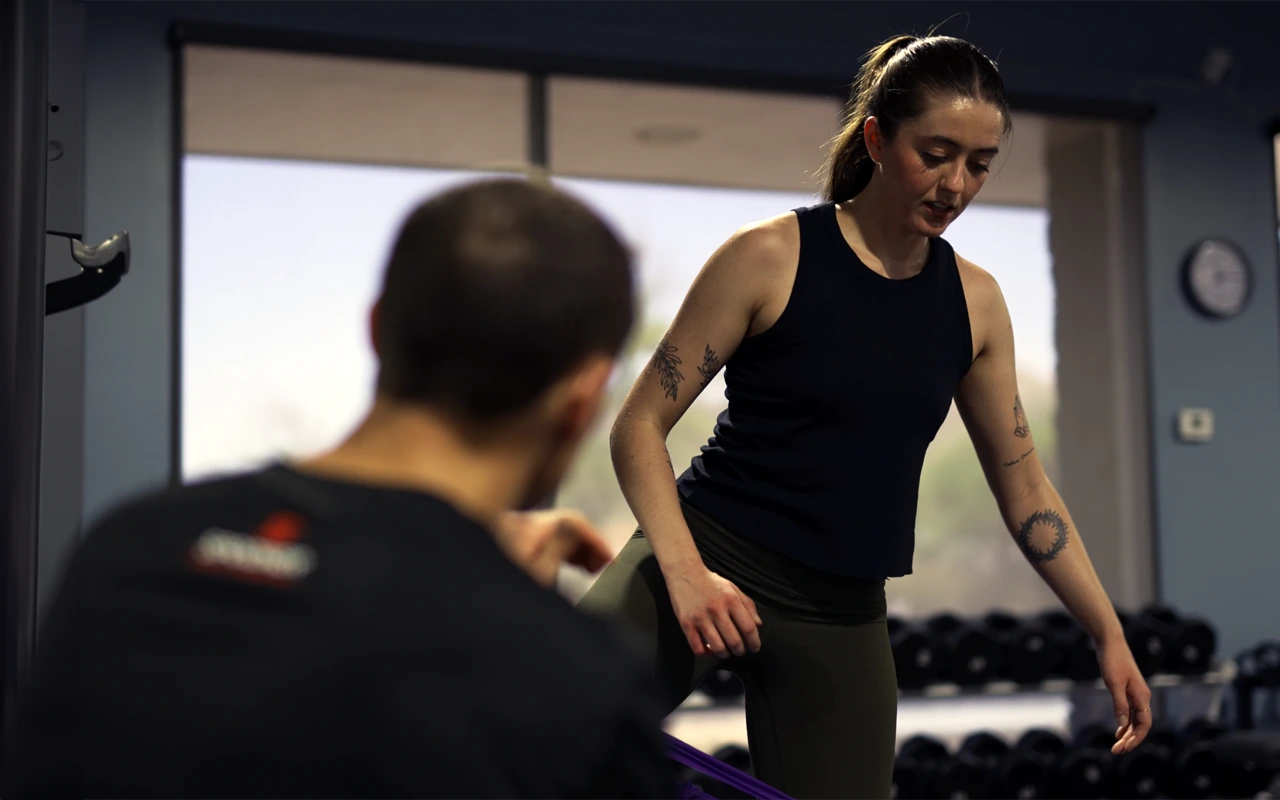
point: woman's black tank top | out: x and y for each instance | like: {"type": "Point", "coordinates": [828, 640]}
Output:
{"type": "Point", "coordinates": [819, 452]}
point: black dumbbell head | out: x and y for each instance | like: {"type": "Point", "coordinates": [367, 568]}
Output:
{"type": "Point", "coordinates": [914, 659]}
{"type": "Point", "coordinates": [1150, 640]}
{"type": "Point", "coordinates": [985, 745]}
{"type": "Point", "coordinates": [924, 750]}
{"type": "Point", "coordinates": [1077, 659]}
{"type": "Point", "coordinates": [1141, 773]}
{"type": "Point", "coordinates": [894, 624]}
{"type": "Point", "coordinates": [1165, 736]}
{"type": "Point", "coordinates": [1021, 776]}
{"type": "Point", "coordinates": [1199, 730]}
{"type": "Point", "coordinates": [963, 775]}
{"type": "Point", "coordinates": [1195, 773]}
{"type": "Point", "coordinates": [1096, 736]}
{"type": "Point", "coordinates": [1260, 664]}
{"type": "Point", "coordinates": [1041, 743]}
{"type": "Point", "coordinates": [1194, 650]}
{"type": "Point", "coordinates": [1001, 621]}
{"type": "Point", "coordinates": [1081, 774]}
{"type": "Point", "coordinates": [735, 755]}
{"type": "Point", "coordinates": [912, 780]}
{"type": "Point", "coordinates": [943, 622]}
{"type": "Point", "coordinates": [1164, 613]}
{"type": "Point", "coordinates": [1032, 653]}
{"type": "Point", "coordinates": [971, 655]}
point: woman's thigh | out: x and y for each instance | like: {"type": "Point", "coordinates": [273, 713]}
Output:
{"type": "Point", "coordinates": [822, 706]}
{"type": "Point", "coordinates": [632, 594]}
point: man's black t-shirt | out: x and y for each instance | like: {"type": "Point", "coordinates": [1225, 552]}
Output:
{"type": "Point", "coordinates": [280, 635]}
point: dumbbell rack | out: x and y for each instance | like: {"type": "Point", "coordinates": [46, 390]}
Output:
{"type": "Point", "coordinates": [1221, 675]}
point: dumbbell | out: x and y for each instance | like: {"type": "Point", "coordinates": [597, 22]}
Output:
{"type": "Point", "coordinates": [1141, 773]}
{"type": "Point", "coordinates": [1150, 641]}
{"type": "Point", "coordinates": [1192, 773]}
{"type": "Point", "coordinates": [737, 757]}
{"type": "Point", "coordinates": [970, 654]}
{"type": "Point", "coordinates": [911, 781]}
{"type": "Point", "coordinates": [1010, 772]}
{"type": "Point", "coordinates": [1195, 773]}
{"type": "Point", "coordinates": [1191, 641]}
{"type": "Point", "coordinates": [1077, 658]}
{"type": "Point", "coordinates": [1247, 761]}
{"type": "Point", "coordinates": [1080, 773]}
{"type": "Point", "coordinates": [914, 767]}
{"type": "Point", "coordinates": [1260, 665]}
{"type": "Point", "coordinates": [963, 775]}
{"type": "Point", "coordinates": [1042, 745]}
{"type": "Point", "coordinates": [1029, 653]}
{"type": "Point", "coordinates": [722, 686]}
{"type": "Point", "coordinates": [916, 663]}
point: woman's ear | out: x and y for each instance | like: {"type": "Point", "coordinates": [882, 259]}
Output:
{"type": "Point", "coordinates": [873, 138]}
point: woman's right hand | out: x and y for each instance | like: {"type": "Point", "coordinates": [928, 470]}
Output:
{"type": "Point", "coordinates": [715, 615]}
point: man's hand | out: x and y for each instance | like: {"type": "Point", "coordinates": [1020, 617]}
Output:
{"type": "Point", "coordinates": [540, 541]}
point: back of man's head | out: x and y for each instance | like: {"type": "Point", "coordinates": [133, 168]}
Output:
{"type": "Point", "coordinates": [495, 291]}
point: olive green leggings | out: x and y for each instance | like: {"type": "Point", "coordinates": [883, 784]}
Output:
{"type": "Point", "coordinates": [822, 699]}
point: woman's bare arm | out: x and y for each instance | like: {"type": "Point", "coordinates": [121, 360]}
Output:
{"type": "Point", "coordinates": [723, 306]}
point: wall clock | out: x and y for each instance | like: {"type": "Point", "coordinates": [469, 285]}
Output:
{"type": "Point", "coordinates": [1217, 279]}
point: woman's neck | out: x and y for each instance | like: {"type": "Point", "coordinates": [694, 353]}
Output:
{"type": "Point", "coordinates": [901, 251]}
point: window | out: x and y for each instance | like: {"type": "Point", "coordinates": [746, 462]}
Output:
{"type": "Point", "coordinates": [281, 262]}
{"type": "Point", "coordinates": [298, 170]}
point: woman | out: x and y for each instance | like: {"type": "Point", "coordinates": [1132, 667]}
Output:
{"type": "Point", "coordinates": [848, 328]}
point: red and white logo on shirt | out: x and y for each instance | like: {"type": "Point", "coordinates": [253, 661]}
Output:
{"type": "Point", "coordinates": [272, 554]}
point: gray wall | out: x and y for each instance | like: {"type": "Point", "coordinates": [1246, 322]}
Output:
{"type": "Point", "coordinates": [1207, 168]}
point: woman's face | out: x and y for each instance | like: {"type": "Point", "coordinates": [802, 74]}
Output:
{"type": "Point", "coordinates": [936, 163]}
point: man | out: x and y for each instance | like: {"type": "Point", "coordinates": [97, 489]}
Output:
{"type": "Point", "coordinates": [355, 624]}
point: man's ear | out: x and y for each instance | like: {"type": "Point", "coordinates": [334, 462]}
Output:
{"type": "Point", "coordinates": [586, 395]}
{"type": "Point", "coordinates": [375, 327]}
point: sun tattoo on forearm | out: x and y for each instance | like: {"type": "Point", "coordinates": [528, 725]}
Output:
{"type": "Point", "coordinates": [1042, 536]}
{"type": "Point", "coordinates": [667, 364]}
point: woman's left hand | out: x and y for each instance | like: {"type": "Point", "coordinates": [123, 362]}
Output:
{"type": "Point", "coordinates": [1130, 693]}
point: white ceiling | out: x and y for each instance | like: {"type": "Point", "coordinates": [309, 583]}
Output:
{"type": "Point", "coordinates": [298, 106]}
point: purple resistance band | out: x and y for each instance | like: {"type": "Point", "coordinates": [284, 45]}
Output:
{"type": "Point", "coordinates": [696, 759]}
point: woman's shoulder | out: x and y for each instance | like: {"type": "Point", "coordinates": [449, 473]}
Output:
{"type": "Point", "coordinates": [770, 234]}
{"type": "Point", "coordinates": [981, 289]}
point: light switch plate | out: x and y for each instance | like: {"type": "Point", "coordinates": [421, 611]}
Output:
{"type": "Point", "coordinates": [1195, 424]}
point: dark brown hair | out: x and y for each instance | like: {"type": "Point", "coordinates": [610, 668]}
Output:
{"type": "Point", "coordinates": [895, 84]}
{"type": "Point", "coordinates": [496, 290]}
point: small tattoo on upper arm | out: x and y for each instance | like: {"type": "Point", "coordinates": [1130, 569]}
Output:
{"type": "Point", "coordinates": [710, 366]}
{"type": "Point", "coordinates": [1042, 536]}
{"type": "Point", "coordinates": [1019, 458]}
{"type": "Point", "coordinates": [1020, 427]}
{"type": "Point", "coordinates": [666, 362]}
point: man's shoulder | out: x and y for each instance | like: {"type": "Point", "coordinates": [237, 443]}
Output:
{"type": "Point", "coordinates": [168, 503]}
